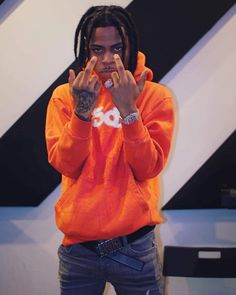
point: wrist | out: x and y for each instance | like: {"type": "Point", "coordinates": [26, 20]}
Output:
{"type": "Point", "coordinates": [125, 113]}
{"type": "Point", "coordinates": [83, 116]}
{"type": "Point", "coordinates": [130, 118]}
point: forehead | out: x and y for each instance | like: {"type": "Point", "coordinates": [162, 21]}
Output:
{"type": "Point", "coordinates": [105, 36]}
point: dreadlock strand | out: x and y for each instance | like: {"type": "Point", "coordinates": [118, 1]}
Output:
{"type": "Point", "coordinates": [103, 16]}
{"type": "Point", "coordinates": [131, 32]}
{"type": "Point", "coordinates": [81, 24]}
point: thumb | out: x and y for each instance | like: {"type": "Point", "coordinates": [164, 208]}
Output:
{"type": "Point", "coordinates": [71, 77]}
{"type": "Point", "coordinates": [142, 80]}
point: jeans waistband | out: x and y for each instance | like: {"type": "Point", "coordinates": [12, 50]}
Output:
{"type": "Point", "coordinates": [109, 246]}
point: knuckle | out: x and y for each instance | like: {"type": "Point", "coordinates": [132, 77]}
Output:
{"type": "Point", "coordinates": [83, 83]}
{"type": "Point", "coordinates": [75, 91]}
{"type": "Point", "coordinates": [125, 80]}
{"type": "Point", "coordinates": [80, 74]}
{"type": "Point", "coordinates": [120, 67]}
{"type": "Point", "coordinates": [94, 79]}
{"type": "Point", "coordinates": [87, 71]}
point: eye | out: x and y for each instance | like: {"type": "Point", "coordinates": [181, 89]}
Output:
{"type": "Point", "coordinates": [118, 49]}
{"type": "Point", "coordinates": [97, 50]}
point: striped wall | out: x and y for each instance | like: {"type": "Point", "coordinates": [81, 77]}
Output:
{"type": "Point", "coordinates": [22, 144]}
{"type": "Point", "coordinates": [36, 47]}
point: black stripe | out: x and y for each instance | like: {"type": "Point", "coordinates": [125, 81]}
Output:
{"type": "Point", "coordinates": [207, 186]}
{"type": "Point", "coordinates": [169, 29]}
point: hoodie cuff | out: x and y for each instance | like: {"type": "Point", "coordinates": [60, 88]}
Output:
{"type": "Point", "coordinates": [79, 128]}
{"type": "Point", "coordinates": [135, 131]}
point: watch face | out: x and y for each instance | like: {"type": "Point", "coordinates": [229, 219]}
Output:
{"type": "Point", "coordinates": [130, 118]}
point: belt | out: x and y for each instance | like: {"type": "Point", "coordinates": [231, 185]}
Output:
{"type": "Point", "coordinates": [106, 247]}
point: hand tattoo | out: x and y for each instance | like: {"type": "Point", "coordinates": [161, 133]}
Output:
{"type": "Point", "coordinates": [84, 100]}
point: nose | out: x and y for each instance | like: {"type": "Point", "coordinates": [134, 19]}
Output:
{"type": "Point", "coordinates": [108, 57]}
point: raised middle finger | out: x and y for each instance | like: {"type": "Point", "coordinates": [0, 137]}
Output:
{"type": "Point", "coordinates": [120, 67]}
{"type": "Point", "coordinates": [88, 69]}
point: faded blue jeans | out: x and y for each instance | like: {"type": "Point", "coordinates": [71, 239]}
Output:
{"type": "Point", "coordinates": [83, 272]}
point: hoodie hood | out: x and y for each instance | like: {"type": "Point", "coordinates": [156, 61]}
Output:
{"type": "Point", "coordinates": [141, 67]}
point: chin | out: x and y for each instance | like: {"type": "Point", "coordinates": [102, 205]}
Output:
{"type": "Point", "coordinates": [105, 76]}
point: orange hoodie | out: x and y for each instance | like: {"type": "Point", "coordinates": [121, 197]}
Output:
{"type": "Point", "coordinates": [109, 183]}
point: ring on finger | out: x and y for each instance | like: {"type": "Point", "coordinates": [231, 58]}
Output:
{"type": "Point", "coordinates": [108, 83]}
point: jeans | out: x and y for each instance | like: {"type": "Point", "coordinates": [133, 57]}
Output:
{"type": "Point", "coordinates": [83, 272]}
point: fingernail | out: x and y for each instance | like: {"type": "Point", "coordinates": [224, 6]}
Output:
{"type": "Point", "coordinates": [116, 56]}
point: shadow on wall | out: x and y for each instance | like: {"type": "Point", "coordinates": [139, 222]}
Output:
{"type": "Point", "coordinates": [29, 225]}
{"type": "Point", "coordinates": [7, 7]}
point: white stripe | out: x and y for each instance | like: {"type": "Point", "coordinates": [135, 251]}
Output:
{"type": "Point", "coordinates": [205, 88]}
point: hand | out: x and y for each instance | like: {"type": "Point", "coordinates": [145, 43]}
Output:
{"type": "Point", "coordinates": [125, 90]}
{"type": "Point", "coordinates": [85, 90]}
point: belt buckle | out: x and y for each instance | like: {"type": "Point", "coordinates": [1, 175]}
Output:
{"type": "Point", "coordinates": [109, 246]}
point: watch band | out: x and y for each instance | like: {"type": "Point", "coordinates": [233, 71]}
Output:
{"type": "Point", "coordinates": [131, 118]}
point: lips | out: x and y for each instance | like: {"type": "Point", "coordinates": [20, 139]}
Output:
{"type": "Point", "coordinates": [108, 70]}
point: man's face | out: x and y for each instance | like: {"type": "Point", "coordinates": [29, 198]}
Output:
{"type": "Point", "coordinates": [104, 43]}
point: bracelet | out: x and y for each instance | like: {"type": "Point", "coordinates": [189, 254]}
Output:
{"type": "Point", "coordinates": [131, 118]}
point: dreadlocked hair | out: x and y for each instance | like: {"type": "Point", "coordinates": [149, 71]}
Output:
{"type": "Point", "coordinates": [104, 16]}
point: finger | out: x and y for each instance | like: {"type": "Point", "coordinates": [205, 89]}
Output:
{"type": "Point", "coordinates": [71, 77]}
{"type": "Point", "coordinates": [142, 80]}
{"type": "Point", "coordinates": [115, 79]}
{"type": "Point", "coordinates": [130, 77]}
{"type": "Point", "coordinates": [92, 82]}
{"type": "Point", "coordinates": [119, 66]}
{"type": "Point", "coordinates": [97, 86]}
{"type": "Point", "coordinates": [89, 68]}
{"type": "Point", "coordinates": [77, 80]}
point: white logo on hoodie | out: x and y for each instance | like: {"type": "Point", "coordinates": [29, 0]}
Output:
{"type": "Point", "coordinates": [110, 118]}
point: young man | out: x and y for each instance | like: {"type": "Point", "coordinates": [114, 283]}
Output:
{"type": "Point", "coordinates": [108, 133]}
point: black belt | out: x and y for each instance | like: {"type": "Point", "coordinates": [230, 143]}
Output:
{"type": "Point", "coordinates": [106, 247]}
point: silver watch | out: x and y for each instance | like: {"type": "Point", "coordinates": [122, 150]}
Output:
{"type": "Point", "coordinates": [129, 119]}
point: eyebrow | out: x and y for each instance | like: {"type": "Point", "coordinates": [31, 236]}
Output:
{"type": "Point", "coordinates": [114, 45]}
